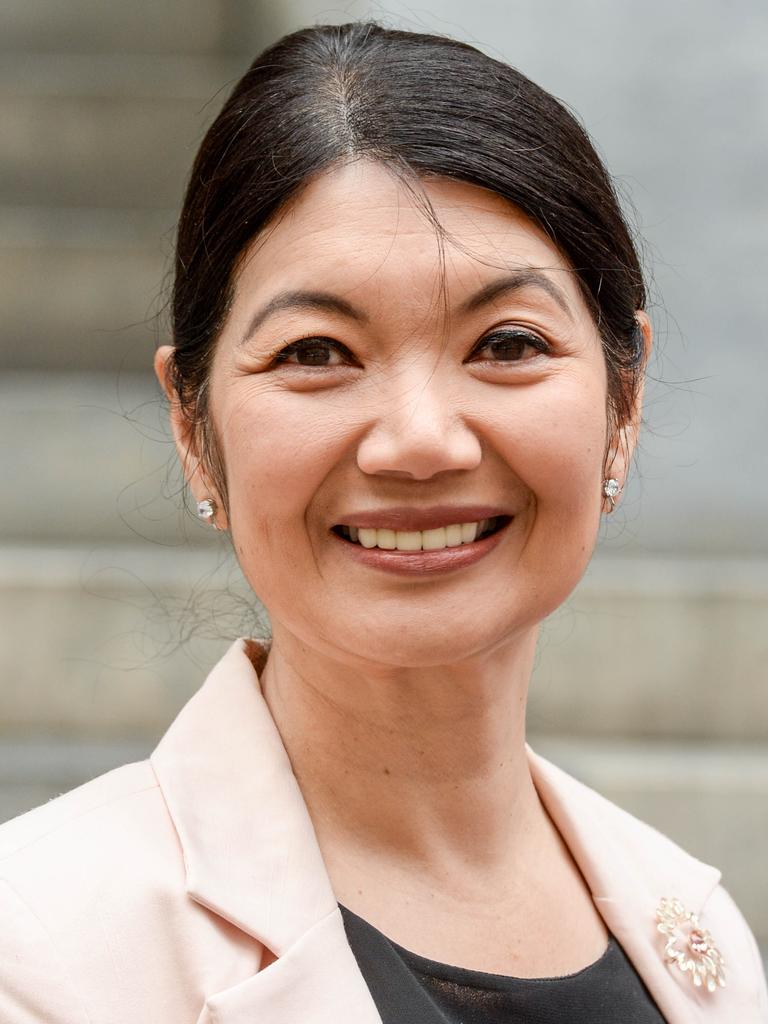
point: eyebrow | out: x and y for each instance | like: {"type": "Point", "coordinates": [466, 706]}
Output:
{"type": "Point", "coordinates": [307, 301]}
{"type": "Point", "coordinates": [313, 301]}
{"type": "Point", "coordinates": [515, 282]}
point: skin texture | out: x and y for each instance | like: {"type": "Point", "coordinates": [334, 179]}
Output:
{"type": "Point", "coordinates": [401, 700]}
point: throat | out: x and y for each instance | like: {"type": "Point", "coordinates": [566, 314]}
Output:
{"type": "Point", "coordinates": [407, 766]}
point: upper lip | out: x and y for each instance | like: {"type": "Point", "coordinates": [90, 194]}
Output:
{"type": "Point", "coordinates": [405, 518]}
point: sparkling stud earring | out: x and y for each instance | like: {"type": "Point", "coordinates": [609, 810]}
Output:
{"type": "Point", "coordinates": [611, 488]}
{"type": "Point", "coordinates": [206, 510]}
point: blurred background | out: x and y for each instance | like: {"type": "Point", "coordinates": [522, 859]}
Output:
{"type": "Point", "coordinates": [651, 682]}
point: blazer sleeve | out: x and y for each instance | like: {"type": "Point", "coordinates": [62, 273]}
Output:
{"type": "Point", "coordinates": [33, 983]}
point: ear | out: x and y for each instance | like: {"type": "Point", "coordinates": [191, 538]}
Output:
{"type": "Point", "coordinates": [195, 475]}
{"type": "Point", "coordinates": [623, 444]}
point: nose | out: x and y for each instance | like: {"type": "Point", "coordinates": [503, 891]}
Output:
{"type": "Point", "coordinates": [418, 435]}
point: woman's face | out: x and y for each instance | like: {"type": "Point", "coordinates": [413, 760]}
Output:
{"type": "Point", "coordinates": [376, 376]}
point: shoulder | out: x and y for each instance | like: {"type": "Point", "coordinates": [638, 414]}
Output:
{"type": "Point", "coordinates": [114, 826]}
{"type": "Point", "coordinates": [94, 911]}
{"type": "Point", "coordinates": [107, 795]}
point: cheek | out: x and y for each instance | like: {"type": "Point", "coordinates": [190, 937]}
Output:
{"type": "Point", "coordinates": [279, 447]}
{"type": "Point", "coordinates": [553, 437]}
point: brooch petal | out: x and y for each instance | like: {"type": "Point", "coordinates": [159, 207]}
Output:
{"type": "Point", "coordinates": [689, 945]}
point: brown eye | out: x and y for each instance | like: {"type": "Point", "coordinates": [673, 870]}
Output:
{"type": "Point", "coordinates": [509, 347]}
{"type": "Point", "coordinates": [314, 355]}
{"type": "Point", "coordinates": [314, 352]}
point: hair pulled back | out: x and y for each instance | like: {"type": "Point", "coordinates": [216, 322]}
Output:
{"type": "Point", "coordinates": [424, 105]}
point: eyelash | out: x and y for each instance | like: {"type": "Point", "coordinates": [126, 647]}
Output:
{"type": "Point", "coordinates": [529, 339]}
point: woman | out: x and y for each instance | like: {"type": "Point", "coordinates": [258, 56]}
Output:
{"type": "Point", "coordinates": [406, 376]}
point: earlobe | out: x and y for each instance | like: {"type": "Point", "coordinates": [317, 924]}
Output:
{"type": "Point", "coordinates": [611, 490]}
{"type": "Point", "coordinates": [618, 459]}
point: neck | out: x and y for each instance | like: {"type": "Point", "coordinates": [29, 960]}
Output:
{"type": "Point", "coordinates": [425, 767]}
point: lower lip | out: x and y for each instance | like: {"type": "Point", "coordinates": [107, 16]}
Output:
{"type": "Point", "coordinates": [423, 563]}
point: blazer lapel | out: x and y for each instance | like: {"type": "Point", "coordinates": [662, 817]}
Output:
{"type": "Point", "coordinates": [317, 980]}
{"type": "Point", "coordinates": [629, 868]}
{"type": "Point", "coordinates": [261, 869]}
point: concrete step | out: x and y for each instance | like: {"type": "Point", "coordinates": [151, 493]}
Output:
{"type": "Point", "coordinates": [130, 632]}
{"type": "Point", "coordinates": [653, 646]}
{"type": "Point", "coordinates": [107, 131]}
{"type": "Point", "coordinates": [87, 459]}
{"type": "Point", "coordinates": [119, 76]}
{"type": "Point", "coordinates": [712, 799]}
{"type": "Point", "coordinates": [144, 26]}
{"type": "Point", "coordinates": [82, 288]}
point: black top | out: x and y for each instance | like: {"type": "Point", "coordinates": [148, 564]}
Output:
{"type": "Point", "coordinates": [410, 989]}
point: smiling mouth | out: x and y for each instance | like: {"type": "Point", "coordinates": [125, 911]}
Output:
{"type": "Point", "coordinates": [452, 536]}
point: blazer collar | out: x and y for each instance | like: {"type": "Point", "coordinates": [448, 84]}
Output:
{"type": "Point", "coordinates": [264, 872]}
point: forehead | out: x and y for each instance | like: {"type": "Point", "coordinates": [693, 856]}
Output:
{"type": "Point", "coordinates": [357, 228]}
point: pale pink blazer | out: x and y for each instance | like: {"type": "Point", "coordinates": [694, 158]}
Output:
{"type": "Point", "coordinates": [149, 895]}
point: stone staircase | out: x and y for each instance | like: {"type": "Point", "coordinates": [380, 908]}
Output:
{"type": "Point", "coordinates": [650, 682]}
{"type": "Point", "coordinates": [101, 109]}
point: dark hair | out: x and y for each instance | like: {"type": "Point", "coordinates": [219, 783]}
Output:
{"type": "Point", "coordinates": [423, 105]}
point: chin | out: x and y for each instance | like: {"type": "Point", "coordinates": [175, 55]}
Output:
{"type": "Point", "coordinates": [428, 642]}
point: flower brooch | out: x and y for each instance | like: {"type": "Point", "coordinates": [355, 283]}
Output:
{"type": "Point", "coordinates": [689, 945]}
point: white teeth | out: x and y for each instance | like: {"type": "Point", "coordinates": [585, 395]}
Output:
{"type": "Point", "coordinates": [419, 540]}
{"type": "Point", "coordinates": [452, 536]}
{"type": "Point", "coordinates": [468, 532]}
{"type": "Point", "coordinates": [386, 539]}
{"type": "Point", "coordinates": [433, 540]}
{"type": "Point", "coordinates": [409, 540]}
